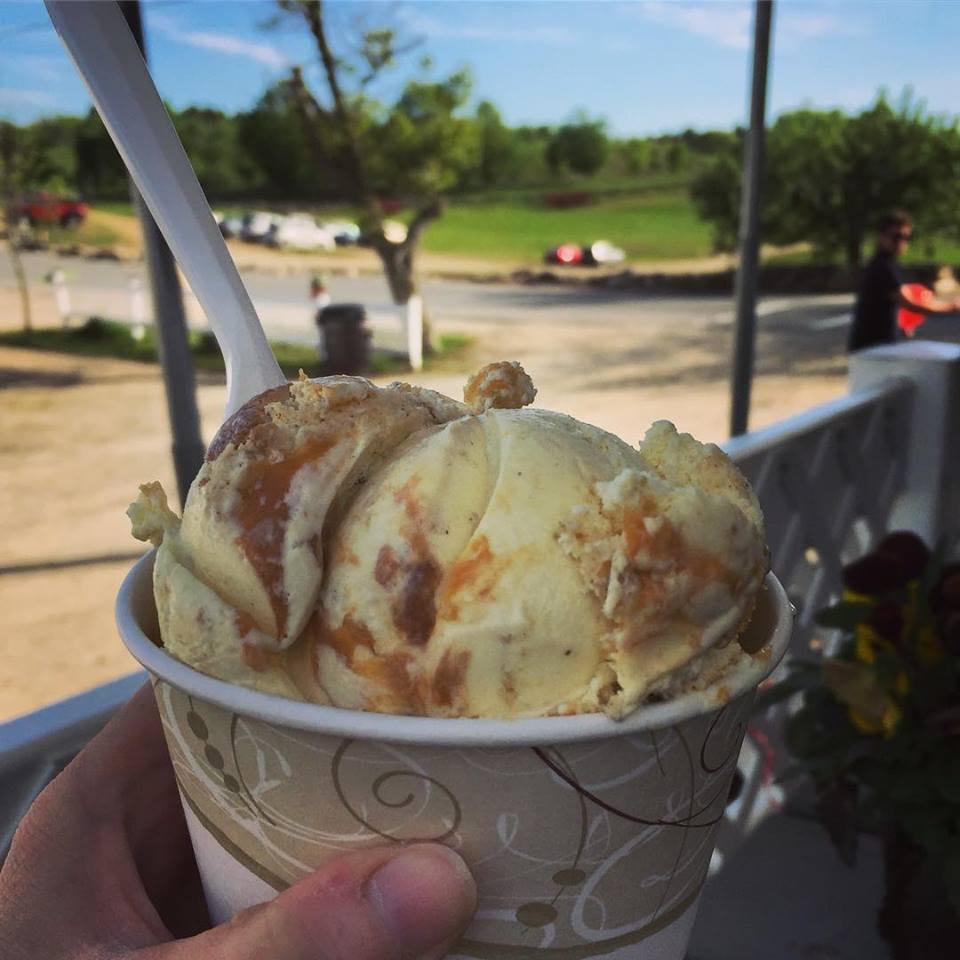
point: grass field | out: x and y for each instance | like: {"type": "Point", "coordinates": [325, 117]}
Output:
{"type": "Point", "coordinates": [656, 226]}
{"type": "Point", "coordinates": [938, 250]}
{"type": "Point", "coordinates": [107, 338]}
{"type": "Point", "coordinates": [654, 222]}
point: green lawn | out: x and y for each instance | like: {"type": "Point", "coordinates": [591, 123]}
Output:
{"type": "Point", "coordinates": [652, 220]}
{"type": "Point", "coordinates": [936, 250]}
{"type": "Point", "coordinates": [656, 226]}
{"type": "Point", "coordinates": [106, 338]}
{"type": "Point", "coordinates": [123, 208]}
{"type": "Point", "coordinates": [87, 234]}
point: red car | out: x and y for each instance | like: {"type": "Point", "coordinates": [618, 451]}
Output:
{"type": "Point", "coordinates": [46, 208]}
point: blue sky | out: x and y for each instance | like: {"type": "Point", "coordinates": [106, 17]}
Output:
{"type": "Point", "coordinates": [644, 66]}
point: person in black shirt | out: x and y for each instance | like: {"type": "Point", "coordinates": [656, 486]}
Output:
{"type": "Point", "coordinates": [882, 292]}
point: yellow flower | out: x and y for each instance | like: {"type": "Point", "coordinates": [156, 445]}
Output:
{"type": "Point", "coordinates": [868, 641]}
{"type": "Point", "coordinates": [929, 648]}
{"type": "Point", "coordinates": [892, 715]}
{"type": "Point", "coordinates": [864, 723]}
{"type": "Point", "coordinates": [887, 724]}
{"type": "Point", "coordinates": [901, 684]}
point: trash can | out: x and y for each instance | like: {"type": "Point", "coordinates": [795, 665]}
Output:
{"type": "Point", "coordinates": [345, 338]}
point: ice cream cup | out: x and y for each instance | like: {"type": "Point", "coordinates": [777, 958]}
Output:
{"type": "Point", "coordinates": [588, 837]}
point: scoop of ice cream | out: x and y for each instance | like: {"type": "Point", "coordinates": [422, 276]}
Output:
{"type": "Point", "coordinates": [238, 578]}
{"type": "Point", "coordinates": [393, 550]}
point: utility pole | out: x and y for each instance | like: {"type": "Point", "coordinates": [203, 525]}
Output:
{"type": "Point", "coordinates": [749, 237]}
{"type": "Point", "coordinates": [172, 337]}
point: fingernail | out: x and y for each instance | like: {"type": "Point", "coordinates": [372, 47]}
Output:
{"type": "Point", "coordinates": [425, 896]}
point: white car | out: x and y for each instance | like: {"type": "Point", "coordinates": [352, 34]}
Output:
{"type": "Point", "coordinates": [343, 232]}
{"type": "Point", "coordinates": [258, 224]}
{"type": "Point", "coordinates": [300, 232]}
{"type": "Point", "coordinates": [602, 252]}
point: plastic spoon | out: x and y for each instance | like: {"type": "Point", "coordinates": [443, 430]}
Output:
{"type": "Point", "coordinates": [103, 49]}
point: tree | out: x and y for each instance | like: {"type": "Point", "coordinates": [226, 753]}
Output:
{"type": "Point", "coordinates": [581, 146]}
{"type": "Point", "coordinates": [418, 147]}
{"type": "Point", "coordinates": [210, 140]}
{"type": "Point", "coordinates": [272, 138]}
{"type": "Point", "coordinates": [829, 177]}
{"type": "Point", "coordinates": [496, 146]}
{"type": "Point", "coordinates": [11, 182]}
{"type": "Point", "coordinates": [99, 170]}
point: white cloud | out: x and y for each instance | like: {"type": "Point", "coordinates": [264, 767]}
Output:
{"type": "Point", "coordinates": [431, 27]}
{"type": "Point", "coordinates": [46, 69]}
{"type": "Point", "coordinates": [727, 24]}
{"type": "Point", "coordinates": [730, 24]}
{"type": "Point", "coordinates": [15, 97]}
{"type": "Point", "coordinates": [264, 53]}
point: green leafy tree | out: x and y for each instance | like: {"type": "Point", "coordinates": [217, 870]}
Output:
{"type": "Point", "coordinates": [272, 137]}
{"type": "Point", "coordinates": [496, 145]}
{"type": "Point", "coordinates": [581, 146]}
{"type": "Point", "coordinates": [417, 147]}
{"type": "Point", "coordinates": [99, 171]}
{"type": "Point", "coordinates": [211, 140]}
{"type": "Point", "coordinates": [829, 177]}
{"type": "Point", "coordinates": [12, 180]}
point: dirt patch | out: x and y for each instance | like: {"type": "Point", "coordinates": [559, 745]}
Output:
{"type": "Point", "coordinates": [78, 435]}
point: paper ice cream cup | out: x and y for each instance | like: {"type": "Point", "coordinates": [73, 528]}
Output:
{"type": "Point", "coordinates": [588, 837]}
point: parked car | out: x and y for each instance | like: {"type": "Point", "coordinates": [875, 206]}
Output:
{"type": "Point", "coordinates": [300, 232]}
{"type": "Point", "coordinates": [592, 255]}
{"type": "Point", "coordinates": [230, 227]}
{"type": "Point", "coordinates": [565, 254]}
{"type": "Point", "coordinates": [256, 225]}
{"type": "Point", "coordinates": [344, 233]}
{"type": "Point", "coordinates": [393, 230]}
{"type": "Point", "coordinates": [602, 252]}
{"type": "Point", "coordinates": [47, 208]}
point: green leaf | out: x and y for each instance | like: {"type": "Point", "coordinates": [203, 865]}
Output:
{"type": "Point", "coordinates": [951, 875]}
{"type": "Point", "coordinates": [948, 774]}
{"type": "Point", "coordinates": [837, 811]}
{"type": "Point", "coordinates": [845, 615]}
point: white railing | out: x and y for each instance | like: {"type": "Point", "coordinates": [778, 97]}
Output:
{"type": "Point", "coordinates": [831, 481]}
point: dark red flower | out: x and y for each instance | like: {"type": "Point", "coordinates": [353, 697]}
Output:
{"type": "Point", "coordinates": [946, 592]}
{"type": "Point", "coordinates": [951, 633]}
{"type": "Point", "coordinates": [875, 574]}
{"type": "Point", "coordinates": [908, 548]}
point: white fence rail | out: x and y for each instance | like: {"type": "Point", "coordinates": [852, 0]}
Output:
{"type": "Point", "coordinates": [831, 481]}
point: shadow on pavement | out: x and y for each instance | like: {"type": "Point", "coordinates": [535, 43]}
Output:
{"type": "Point", "coordinates": [127, 556]}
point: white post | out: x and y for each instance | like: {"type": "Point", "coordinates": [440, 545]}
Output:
{"type": "Point", "coordinates": [414, 324]}
{"type": "Point", "coordinates": [930, 505]}
{"type": "Point", "coordinates": [62, 296]}
{"type": "Point", "coordinates": [138, 307]}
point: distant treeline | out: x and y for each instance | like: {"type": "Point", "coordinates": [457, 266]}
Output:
{"type": "Point", "coordinates": [263, 154]}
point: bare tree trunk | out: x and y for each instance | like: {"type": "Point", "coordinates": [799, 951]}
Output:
{"type": "Point", "coordinates": [21, 276]}
{"type": "Point", "coordinates": [397, 258]}
{"type": "Point", "coordinates": [854, 250]}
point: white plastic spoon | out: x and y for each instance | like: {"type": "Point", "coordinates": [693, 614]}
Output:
{"type": "Point", "coordinates": [103, 49]}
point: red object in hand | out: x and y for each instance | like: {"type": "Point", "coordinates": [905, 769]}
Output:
{"type": "Point", "coordinates": [909, 320]}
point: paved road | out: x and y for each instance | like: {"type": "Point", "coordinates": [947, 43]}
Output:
{"type": "Point", "coordinates": [103, 287]}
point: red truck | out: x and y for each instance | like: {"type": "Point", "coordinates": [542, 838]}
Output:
{"type": "Point", "coordinates": [46, 208]}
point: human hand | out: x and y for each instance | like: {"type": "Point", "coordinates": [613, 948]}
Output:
{"type": "Point", "coordinates": [102, 867]}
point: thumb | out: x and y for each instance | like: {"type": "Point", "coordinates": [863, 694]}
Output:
{"type": "Point", "coordinates": [403, 903]}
